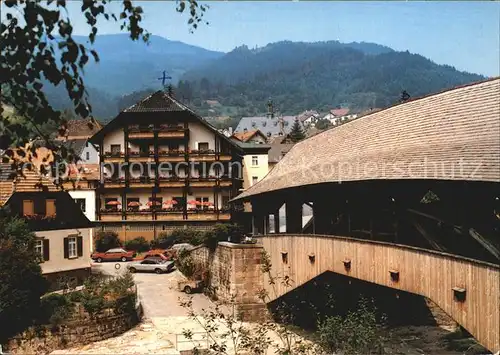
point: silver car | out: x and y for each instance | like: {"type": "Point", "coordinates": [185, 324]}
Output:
{"type": "Point", "coordinates": [151, 265]}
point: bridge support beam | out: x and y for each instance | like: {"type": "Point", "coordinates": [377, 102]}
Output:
{"type": "Point", "coordinates": [322, 217]}
{"type": "Point", "coordinates": [293, 210]}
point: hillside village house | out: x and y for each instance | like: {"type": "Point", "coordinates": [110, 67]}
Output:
{"type": "Point", "coordinates": [62, 230]}
{"type": "Point", "coordinates": [164, 167]}
{"type": "Point", "coordinates": [308, 118]}
{"type": "Point", "coordinates": [339, 115]}
{"type": "Point", "coordinates": [77, 136]}
{"type": "Point", "coordinates": [253, 136]}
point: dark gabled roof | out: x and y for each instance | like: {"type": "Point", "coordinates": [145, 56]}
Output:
{"type": "Point", "coordinates": [81, 128]}
{"type": "Point", "coordinates": [248, 147]}
{"type": "Point", "coordinates": [158, 102]}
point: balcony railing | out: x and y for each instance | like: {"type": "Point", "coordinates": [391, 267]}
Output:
{"type": "Point", "coordinates": [172, 152]}
{"type": "Point", "coordinates": [114, 181]}
{"type": "Point", "coordinates": [114, 154]}
{"type": "Point", "coordinates": [202, 152]}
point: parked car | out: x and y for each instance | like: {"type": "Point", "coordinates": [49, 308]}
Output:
{"type": "Point", "coordinates": [189, 286]}
{"type": "Point", "coordinates": [157, 257]}
{"type": "Point", "coordinates": [115, 254]}
{"type": "Point", "coordinates": [151, 265]}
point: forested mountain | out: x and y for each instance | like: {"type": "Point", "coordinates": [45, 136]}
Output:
{"type": "Point", "coordinates": [126, 65]}
{"type": "Point", "coordinates": [319, 76]}
{"type": "Point", "coordinates": [296, 75]}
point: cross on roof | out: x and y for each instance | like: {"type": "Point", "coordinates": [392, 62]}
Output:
{"type": "Point", "coordinates": [164, 78]}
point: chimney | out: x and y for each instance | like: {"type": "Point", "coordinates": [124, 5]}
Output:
{"type": "Point", "coordinates": [270, 109]}
{"type": "Point", "coordinates": [231, 131]}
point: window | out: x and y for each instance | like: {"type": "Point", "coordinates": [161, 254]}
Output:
{"type": "Point", "coordinates": [72, 250]}
{"type": "Point", "coordinates": [202, 201]}
{"type": "Point", "coordinates": [87, 155]}
{"type": "Point", "coordinates": [203, 146]}
{"type": "Point", "coordinates": [173, 146]}
{"type": "Point", "coordinates": [255, 160]}
{"type": "Point", "coordinates": [255, 179]}
{"type": "Point", "coordinates": [28, 208]}
{"type": "Point", "coordinates": [133, 204]}
{"type": "Point", "coordinates": [80, 203]}
{"type": "Point", "coordinates": [116, 149]}
{"type": "Point", "coordinates": [50, 208]}
{"type": "Point", "coordinates": [39, 247]}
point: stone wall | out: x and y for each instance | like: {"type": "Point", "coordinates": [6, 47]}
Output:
{"type": "Point", "coordinates": [235, 274]}
{"type": "Point", "coordinates": [45, 339]}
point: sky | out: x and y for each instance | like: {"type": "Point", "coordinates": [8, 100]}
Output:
{"type": "Point", "coordinates": [465, 35]}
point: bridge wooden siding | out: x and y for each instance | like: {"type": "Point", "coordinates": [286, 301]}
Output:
{"type": "Point", "coordinates": [424, 272]}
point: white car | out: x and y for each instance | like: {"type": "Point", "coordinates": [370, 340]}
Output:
{"type": "Point", "coordinates": [151, 265]}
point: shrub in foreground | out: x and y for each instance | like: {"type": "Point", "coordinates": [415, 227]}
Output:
{"type": "Point", "coordinates": [139, 244]}
{"type": "Point", "coordinates": [106, 240]}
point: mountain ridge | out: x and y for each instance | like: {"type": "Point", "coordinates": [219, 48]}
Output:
{"type": "Point", "coordinates": [297, 75]}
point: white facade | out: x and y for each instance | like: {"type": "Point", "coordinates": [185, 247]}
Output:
{"type": "Point", "coordinates": [116, 137]}
{"type": "Point", "coordinates": [89, 154]}
{"type": "Point", "coordinates": [88, 208]}
{"type": "Point", "coordinates": [255, 167]}
{"type": "Point", "coordinates": [55, 241]}
{"type": "Point", "coordinates": [336, 120]}
{"type": "Point", "coordinates": [200, 134]}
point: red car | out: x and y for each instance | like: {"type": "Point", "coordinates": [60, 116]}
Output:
{"type": "Point", "coordinates": [115, 254]}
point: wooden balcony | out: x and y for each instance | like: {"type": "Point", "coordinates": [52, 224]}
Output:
{"type": "Point", "coordinates": [208, 156]}
{"type": "Point", "coordinates": [141, 182]}
{"type": "Point", "coordinates": [164, 215]}
{"type": "Point", "coordinates": [110, 216]}
{"type": "Point", "coordinates": [208, 215]}
{"type": "Point", "coordinates": [114, 183]}
{"type": "Point", "coordinates": [171, 156]}
{"type": "Point", "coordinates": [171, 182]}
{"type": "Point", "coordinates": [202, 181]}
{"type": "Point", "coordinates": [114, 157]}
{"type": "Point", "coordinates": [141, 132]}
{"type": "Point", "coordinates": [141, 157]}
{"type": "Point", "coordinates": [165, 131]}
{"type": "Point", "coordinates": [139, 215]}
{"type": "Point", "coordinates": [169, 216]}
{"type": "Point", "coordinates": [140, 135]}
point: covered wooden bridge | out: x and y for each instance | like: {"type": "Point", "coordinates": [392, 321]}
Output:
{"type": "Point", "coordinates": [407, 197]}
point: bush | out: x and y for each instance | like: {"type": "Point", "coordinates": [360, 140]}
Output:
{"type": "Point", "coordinates": [228, 232]}
{"type": "Point", "coordinates": [139, 244]}
{"type": "Point", "coordinates": [55, 308]}
{"type": "Point", "coordinates": [358, 332]}
{"type": "Point", "coordinates": [106, 240]}
{"type": "Point", "coordinates": [22, 283]}
{"type": "Point", "coordinates": [180, 235]}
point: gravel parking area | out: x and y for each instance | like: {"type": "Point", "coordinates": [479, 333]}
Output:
{"type": "Point", "coordinates": [158, 293]}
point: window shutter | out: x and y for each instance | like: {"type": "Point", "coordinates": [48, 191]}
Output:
{"type": "Point", "coordinates": [50, 208]}
{"type": "Point", "coordinates": [46, 247]}
{"type": "Point", "coordinates": [28, 208]}
{"type": "Point", "coordinates": [79, 246]}
{"type": "Point", "coordinates": [66, 248]}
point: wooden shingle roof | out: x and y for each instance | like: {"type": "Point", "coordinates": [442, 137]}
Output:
{"type": "Point", "coordinates": [157, 102]}
{"type": "Point", "coordinates": [452, 135]}
{"type": "Point", "coordinates": [30, 181]}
